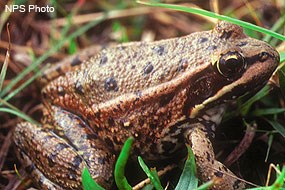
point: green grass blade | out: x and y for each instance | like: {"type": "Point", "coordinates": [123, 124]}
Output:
{"type": "Point", "coordinates": [270, 140]}
{"type": "Point", "coordinates": [156, 177]}
{"type": "Point", "coordinates": [148, 187]}
{"type": "Point", "coordinates": [281, 74]}
{"type": "Point", "coordinates": [30, 80]}
{"type": "Point", "coordinates": [276, 125]}
{"type": "Point", "coordinates": [278, 24]}
{"type": "Point", "coordinates": [12, 109]}
{"type": "Point", "coordinates": [50, 52]}
{"type": "Point", "coordinates": [217, 16]}
{"type": "Point", "coordinates": [188, 179]}
{"type": "Point", "coordinates": [282, 57]}
{"type": "Point", "coordinates": [17, 113]}
{"type": "Point", "coordinates": [119, 173]}
{"type": "Point", "coordinates": [66, 28]}
{"type": "Point", "coordinates": [22, 86]}
{"type": "Point", "coordinates": [153, 177]}
{"type": "Point", "coordinates": [279, 182]}
{"type": "Point", "coordinates": [262, 93]}
{"type": "Point", "coordinates": [277, 185]}
{"type": "Point", "coordinates": [206, 185]}
{"type": "Point", "coordinates": [4, 69]}
{"type": "Point", "coordinates": [88, 182]}
{"type": "Point", "coordinates": [267, 111]}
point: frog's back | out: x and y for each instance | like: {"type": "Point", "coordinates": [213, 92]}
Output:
{"type": "Point", "coordinates": [137, 66]}
{"type": "Point", "coordinates": [133, 74]}
{"type": "Point", "coordinates": [133, 67]}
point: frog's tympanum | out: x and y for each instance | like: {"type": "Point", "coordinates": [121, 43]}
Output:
{"type": "Point", "coordinates": [164, 94]}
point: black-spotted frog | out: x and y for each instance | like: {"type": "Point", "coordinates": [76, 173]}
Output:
{"type": "Point", "coordinates": [164, 94]}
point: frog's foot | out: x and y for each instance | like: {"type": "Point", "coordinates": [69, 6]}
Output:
{"type": "Point", "coordinates": [57, 163]}
{"type": "Point", "coordinates": [207, 166]}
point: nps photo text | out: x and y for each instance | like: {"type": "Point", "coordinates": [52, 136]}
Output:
{"type": "Point", "coordinates": [29, 8]}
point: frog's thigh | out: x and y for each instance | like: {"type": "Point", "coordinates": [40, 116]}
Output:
{"type": "Point", "coordinates": [207, 166]}
{"type": "Point", "coordinates": [54, 163]}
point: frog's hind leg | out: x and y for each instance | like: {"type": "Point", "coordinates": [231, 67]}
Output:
{"type": "Point", "coordinates": [207, 166]}
{"type": "Point", "coordinates": [38, 177]}
{"type": "Point", "coordinates": [39, 153]}
{"type": "Point", "coordinates": [57, 158]}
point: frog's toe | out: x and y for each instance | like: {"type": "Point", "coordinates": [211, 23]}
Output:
{"type": "Point", "coordinates": [207, 166]}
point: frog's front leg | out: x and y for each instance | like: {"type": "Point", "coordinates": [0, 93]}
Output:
{"type": "Point", "coordinates": [56, 155]}
{"type": "Point", "coordinates": [207, 166]}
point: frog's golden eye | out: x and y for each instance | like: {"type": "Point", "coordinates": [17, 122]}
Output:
{"type": "Point", "coordinates": [231, 64]}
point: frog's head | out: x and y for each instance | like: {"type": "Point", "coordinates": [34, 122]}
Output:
{"type": "Point", "coordinates": [238, 65]}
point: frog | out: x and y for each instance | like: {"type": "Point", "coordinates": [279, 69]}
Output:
{"type": "Point", "coordinates": [164, 94]}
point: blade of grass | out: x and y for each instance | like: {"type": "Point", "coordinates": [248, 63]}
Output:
{"type": "Point", "coordinates": [119, 172]}
{"type": "Point", "coordinates": [153, 178]}
{"type": "Point", "coordinates": [267, 111]}
{"type": "Point", "coordinates": [217, 16]}
{"type": "Point", "coordinates": [148, 187]}
{"type": "Point", "coordinates": [4, 69]}
{"type": "Point", "coordinates": [68, 24]}
{"type": "Point", "coordinates": [156, 177]}
{"type": "Point", "coordinates": [281, 74]}
{"type": "Point", "coordinates": [277, 185]}
{"type": "Point", "coordinates": [246, 106]}
{"type": "Point", "coordinates": [279, 182]}
{"type": "Point", "coordinates": [282, 57]}
{"type": "Point", "coordinates": [276, 125]}
{"type": "Point", "coordinates": [88, 182]}
{"type": "Point", "coordinates": [6, 61]}
{"type": "Point", "coordinates": [278, 24]}
{"type": "Point", "coordinates": [22, 86]}
{"type": "Point", "coordinates": [270, 140]}
{"type": "Point", "coordinates": [206, 185]}
{"type": "Point", "coordinates": [17, 113]}
{"type": "Point", "coordinates": [26, 83]}
{"type": "Point", "coordinates": [188, 179]}
{"type": "Point", "coordinates": [51, 51]}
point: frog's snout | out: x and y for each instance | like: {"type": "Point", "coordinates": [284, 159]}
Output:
{"type": "Point", "coordinates": [277, 57]}
{"type": "Point", "coordinates": [274, 54]}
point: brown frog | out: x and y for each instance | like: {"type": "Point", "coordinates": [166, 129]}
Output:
{"type": "Point", "coordinates": [164, 94]}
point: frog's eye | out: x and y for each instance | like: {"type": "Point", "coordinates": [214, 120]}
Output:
{"type": "Point", "coordinates": [231, 64]}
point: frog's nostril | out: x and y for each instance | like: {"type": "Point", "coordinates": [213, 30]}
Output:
{"type": "Point", "coordinates": [263, 56]}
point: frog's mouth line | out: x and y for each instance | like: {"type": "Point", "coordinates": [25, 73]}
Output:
{"type": "Point", "coordinates": [252, 80]}
{"type": "Point", "coordinates": [226, 97]}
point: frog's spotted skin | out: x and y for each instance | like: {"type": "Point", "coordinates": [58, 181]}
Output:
{"type": "Point", "coordinates": [69, 63]}
{"type": "Point", "coordinates": [161, 93]}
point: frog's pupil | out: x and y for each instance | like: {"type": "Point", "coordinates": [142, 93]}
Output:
{"type": "Point", "coordinates": [231, 64]}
